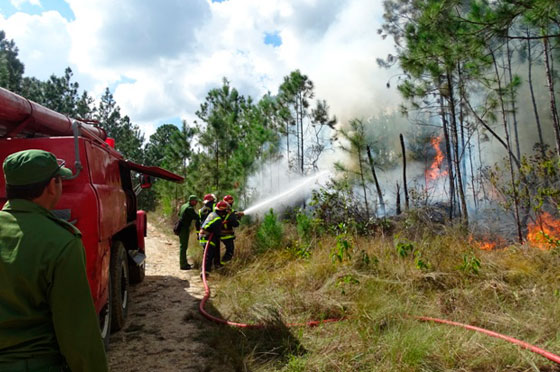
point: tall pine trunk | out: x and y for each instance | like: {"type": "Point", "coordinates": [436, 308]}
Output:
{"type": "Point", "coordinates": [301, 132]}
{"type": "Point", "coordinates": [513, 107]}
{"type": "Point", "coordinates": [506, 129]}
{"type": "Point", "coordinates": [550, 81]}
{"type": "Point", "coordinates": [404, 172]}
{"type": "Point", "coordinates": [455, 140]}
{"type": "Point", "coordinates": [533, 99]}
{"type": "Point", "coordinates": [449, 159]}
{"type": "Point", "coordinates": [379, 193]}
{"type": "Point", "coordinates": [361, 164]}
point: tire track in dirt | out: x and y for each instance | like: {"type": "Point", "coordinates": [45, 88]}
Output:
{"type": "Point", "coordinates": [164, 331]}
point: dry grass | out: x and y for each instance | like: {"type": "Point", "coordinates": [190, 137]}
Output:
{"type": "Point", "coordinates": [515, 291]}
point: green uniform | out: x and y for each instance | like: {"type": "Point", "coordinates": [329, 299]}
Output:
{"type": "Point", "coordinates": [187, 214]}
{"type": "Point", "coordinates": [46, 308]}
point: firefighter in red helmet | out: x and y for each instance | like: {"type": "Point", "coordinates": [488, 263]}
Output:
{"type": "Point", "coordinates": [211, 232]}
{"type": "Point", "coordinates": [231, 220]}
{"type": "Point", "coordinates": [208, 203]}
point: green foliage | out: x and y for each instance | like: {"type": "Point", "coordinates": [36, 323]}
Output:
{"type": "Point", "coordinates": [345, 282]}
{"type": "Point", "coordinates": [470, 264]}
{"type": "Point", "coordinates": [295, 364]}
{"type": "Point", "coordinates": [404, 248]}
{"type": "Point", "coordinates": [304, 225]}
{"type": "Point", "coordinates": [270, 234]}
{"type": "Point", "coordinates": [407, 248]}
{"type": "Point", "coordinates": [299, 250]}
{"type": "Point", "coordinates": [11, 68]}
{"type": "Point", "coordinates": [294, 102]}
{"type": "Point", "coordinates": [128, 137]}
{"type": "Point", "coordinates": [344, 245]}
{"type": "Point", "coordinates": [420, 262]}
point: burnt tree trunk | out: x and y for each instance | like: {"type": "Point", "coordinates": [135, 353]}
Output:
{"type": "Point", "coordinates": [474, 192]}
{"type": "Point", "coordinates": [533, 100]}
{"type": "Point", "coordinates": [512, 173]}
{"type": "Point", "coordinates": [398, 200]}
{"type": "Point", "coordinates": [455, 140]}
{"type": "Point", "coordinates": [448, 158]}
{"type": "Point", "coordinates": [404, 172]}
{"type": "Point", "coordinates": [379, 193]}
{"type": "Point", "coordinates": [550, 81]}
{"type": "Point", "coordinates": [513, 107]}
{"type": "Point", "coordinates": [361, 164]}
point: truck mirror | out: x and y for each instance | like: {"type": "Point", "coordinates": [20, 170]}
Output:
{"type": "Point", "coordinates": [145, 181]}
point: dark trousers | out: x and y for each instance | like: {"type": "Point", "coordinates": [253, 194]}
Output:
{"type": "Point", "coordinates": [213, 252]}
{"type": "Point", "coordinates": [230, 246]}
{"type": "Point", "coordinates": [183, 244]}
{"type": "Point", "coordinates": [39, 364]}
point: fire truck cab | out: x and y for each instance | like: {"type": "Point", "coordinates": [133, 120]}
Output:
{"type": "Point", "coordinates": [100, 199]}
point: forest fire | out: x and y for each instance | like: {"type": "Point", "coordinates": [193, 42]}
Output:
{"type": "Point", "coordinates": [545, 232]}
{"type": "Point", "coordinates": [485, 243]}
{"type": "Point", "coordinates": [486, 246]}
{"type": "Point", "coordinates": [435, 172]}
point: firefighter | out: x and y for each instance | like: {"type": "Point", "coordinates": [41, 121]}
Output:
{"type": "Point", "coordinates": [213, 226]}
{"type": "Point", "coordinates": [208, 203]}
{"type": "Point", "coordinates": [187, 214]}
{"type": "Point", "coordinates": [47, 318]}
{"type": "Point", "coordinates": [231, 220]}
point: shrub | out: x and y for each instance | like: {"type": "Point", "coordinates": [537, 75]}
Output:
{"type": "Point", "coordinates": [270, 233]}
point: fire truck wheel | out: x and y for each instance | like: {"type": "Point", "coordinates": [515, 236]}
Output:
{"type": "Point", "coordinates": [119, 286]}
{"type": "Point", "coordinates": [105, 319]}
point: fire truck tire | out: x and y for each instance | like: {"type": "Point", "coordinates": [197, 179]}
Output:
{"type": "Point", "coordinates": [137, 273]}
{"type": "Point", "coordinates": [119, 286]}
{"type": "Point", "coordinates": [105, 319]}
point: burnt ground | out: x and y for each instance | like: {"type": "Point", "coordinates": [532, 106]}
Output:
{"type": "Point", "coordinates": [164, 330]}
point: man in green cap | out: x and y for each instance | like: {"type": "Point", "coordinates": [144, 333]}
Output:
{"type": "Point", "coordinates": [187, 214]}
{"type": "Point", "coordinates": [47, 317]}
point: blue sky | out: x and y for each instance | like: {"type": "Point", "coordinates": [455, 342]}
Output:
{"type": "Point", "coordinates": [160, 58]}
{"type": "Point", "coordinates": [8, 8]}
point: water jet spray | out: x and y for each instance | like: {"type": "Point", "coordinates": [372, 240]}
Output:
{"type": "Point", "coordinates": [285, 194]}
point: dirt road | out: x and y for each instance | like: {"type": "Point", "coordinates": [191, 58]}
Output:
{"type": "Point", "coordinates": [164, 331]}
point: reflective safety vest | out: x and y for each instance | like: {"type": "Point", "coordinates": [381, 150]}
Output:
{"type": "Point", "coordinates": [212, 225]}
{"type": "Point", "coordinates": [230, 221]}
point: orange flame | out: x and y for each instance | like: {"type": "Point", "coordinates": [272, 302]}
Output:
{"type": "Point", "coordinates": [485, 245]}
{"type": "Point", "coordinates": [545, 232]}
{"type": "Point", "coordinates": [435, 172]}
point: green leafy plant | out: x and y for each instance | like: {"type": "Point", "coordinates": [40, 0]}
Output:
{"type": "Point", "coordinates": [345, 281]}
{"type": "Point", "coordinates": [299, 250]}
{"type": "Point", "coordinates": [270, 233]}
{"type": "Point", "coordinates": [343, 245]}
{"type": "Point", "coordinates": [471, 264]}
{"type": "Point", "coordinates": [420, 262]}
{"type": "Point", "coordinates": [404, 248]}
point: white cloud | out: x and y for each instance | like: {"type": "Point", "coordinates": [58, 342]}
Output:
{"type": "Point", "coordinates": [43, 41]}
{"type": "Point", "coordinates": [163, 57]}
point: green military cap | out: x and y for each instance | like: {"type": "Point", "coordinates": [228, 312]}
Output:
{"type": "Point", "coordinates": [33, 166]}
{"type": "Point", "coordinates": [193, 197]}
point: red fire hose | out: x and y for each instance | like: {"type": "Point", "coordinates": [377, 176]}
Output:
{"type": "Point", "coordinates": [311, 323]}
{"type": "Point", "coordinates": [547, 354]}
{"type": "Point", "coordinates": [550, 356]}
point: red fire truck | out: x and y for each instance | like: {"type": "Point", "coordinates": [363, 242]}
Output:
{"type": "Point", "coordinates": [100, 199]}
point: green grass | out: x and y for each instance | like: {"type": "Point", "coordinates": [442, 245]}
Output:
{"type": "Point", "coordinates": [515, 291]}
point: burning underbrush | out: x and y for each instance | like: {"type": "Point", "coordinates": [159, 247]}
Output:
{"type": "Point", "coordinates": [411, 266]}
